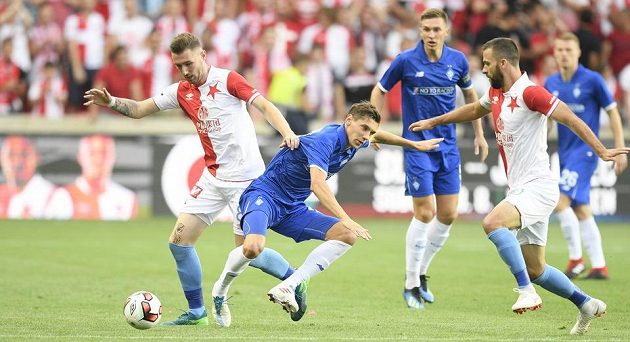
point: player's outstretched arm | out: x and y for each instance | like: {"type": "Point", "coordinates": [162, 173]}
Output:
{"type": "Point", "coordinates": [326, 197]}
{"type": "Point", "coordinates": [377, 98]}
{"type": "Point", "coordinates": [565, 116]}
{"type": "Point", "coordinates": [126, 107]}
{"type": "Point", "coordinates": [384, 137]}
{"type": "Point", "coordinates": [465, 113]}
{"type": "Point", "coordinates": [277, 121]}
{"type": "Point", "coordinates": [481, 145]}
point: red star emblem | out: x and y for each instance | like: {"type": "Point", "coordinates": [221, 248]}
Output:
{"type": "Point", "coordinates": [213, 90]}
{"type": "Point", "coordinates": [513, 104]}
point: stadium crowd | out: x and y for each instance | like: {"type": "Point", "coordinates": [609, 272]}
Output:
{"type": "Point", "coordinates": [312, 58]}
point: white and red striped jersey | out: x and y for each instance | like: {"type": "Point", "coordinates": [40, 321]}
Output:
{"type": "Point", "coordinates": [89, 34]}
{"type": "Point", "coordinates": [520, 124]}
{"type": "Point", "coordinates": [218, 110]}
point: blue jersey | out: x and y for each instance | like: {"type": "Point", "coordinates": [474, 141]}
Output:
{"type": "Point", "coordinates": [288, 174]}
{"type": "Point", "coordinates": [428, 89]}
{"type": "Point", "coordinates": [585, 94]}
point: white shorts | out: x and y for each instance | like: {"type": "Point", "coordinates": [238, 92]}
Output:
{"type": "Point", "coordinates": [535, 202]}
{"type": "Point", "coordinates": [209, 197]}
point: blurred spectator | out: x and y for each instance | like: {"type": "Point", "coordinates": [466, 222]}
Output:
{"type": "Point", "coordinates": [15, 20]}
{"type": "Point", "coordinates": [94, 195]}
{"type": "Point", "coordinates": [268, 57]}
{"type": "Point", "coordinates": [257, 17]}
{"type": "Point", "coordinates": [624, 86]}
{"type": "Point", "coordinates": [224, 33]}
{"type": "Point", "coordinates": [9, 80]}
{"type": "Point", "coordinates": [617, 44]}
{"type": "Point", "coordinates": [320, 85]}
{"type": "Point", "coordinates": [46, 39]}
{"type": "Point", "coordinates": [589, 43]}
{"type": "Point", "coordinates": [356, 86]}
{"type": "Point", "coordinates": [85, 34]}
{"type": "Point", "coordinates": [25, 193]}
{"type": "Point", "coordinates": [155, 66]}
{"type": "Point", "coordinates": [130, 30]}
{"type": "Point", "coordinates": [119, 77]}
{"type": "Point", "coordinates": [287, 92]}
{"type": "Point", "coordinates": [171, 22]}
{"type": "Point", "coordinates": [48, 93]}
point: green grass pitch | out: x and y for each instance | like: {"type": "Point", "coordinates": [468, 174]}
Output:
{"type": "Point", "coordinates": [66, 281]}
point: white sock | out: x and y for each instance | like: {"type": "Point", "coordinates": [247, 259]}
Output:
{"type": "Point", "coordinates": [317, 261]}
{"type": "Point", "coordinates": [436, 237]}
{"type": "Point", "coordinates": [570, 227]}
{"type": "Point", "coordinates": [416, 241]}
{"type": "Point", "coordinates": [234, 265]}
{"type": "Point", "coordinates": [593, 242]}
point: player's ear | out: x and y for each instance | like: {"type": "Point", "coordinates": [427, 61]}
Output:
{"type": "Point", "coordinates": [348, 120]}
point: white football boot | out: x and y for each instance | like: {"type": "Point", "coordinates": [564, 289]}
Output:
{"type": "Point", "coordinates": [285, 296]}
{"type": "Point", "coordinates": [528, 299]}
{"type": "Point", "coordinates": [592, 309]}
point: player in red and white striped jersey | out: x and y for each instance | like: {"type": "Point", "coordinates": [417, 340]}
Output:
{"type": "Point", "coordinates": [216, 102]}
{"type": "Point", "coordinates": [520, 110]}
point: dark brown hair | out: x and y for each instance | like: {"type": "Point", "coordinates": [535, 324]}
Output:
{"type": "Point", "coordinates": [364, 109]}
{"type": "Point", "coordinates": [503, 48]}
{"type": "Point", "coordinates": [184, 41]}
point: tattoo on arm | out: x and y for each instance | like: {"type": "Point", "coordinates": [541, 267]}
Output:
{"type": "Point", "coordinates": [125, 107]}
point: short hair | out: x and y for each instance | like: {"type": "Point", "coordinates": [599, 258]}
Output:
{"type": "Point", "coordinates": [569, 36]}
{"type": "Point", "coordinates": [184, 41]}
{"type": "Point", "coordinates": [431, 13]}
{"type": "Point", "coordinates": [365, 109]}
{"type": "Point", "coordinates": [503, 48]}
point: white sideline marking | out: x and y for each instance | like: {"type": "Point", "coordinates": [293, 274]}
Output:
{"type": "Point", "coordinates": [276, 338]}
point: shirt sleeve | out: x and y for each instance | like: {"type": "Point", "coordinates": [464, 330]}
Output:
{"type": "Point", "coordinates": [540, 100]}
{"type": "Point", "coordinates": [167, 98]}
{"type": "Point", "coordinates": [484, 101]}
{"type": "Point", "coordinates": [318, 152]}
{"type": "Point", "coordinates": [602, 95]}
{"type": "Point", "coordinates": [465, 81]}
{"type": "Point", "coordinates": [238, 87]}
{"type": "Point", "coordinates": [392, 75]}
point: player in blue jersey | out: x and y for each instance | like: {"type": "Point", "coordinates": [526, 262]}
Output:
{"type": "Point", "coordinates": [429, 73]}
{"type": "Point", "coordinates": [276, 200]}
{"type": "Point", "coordinates": [585, 92]}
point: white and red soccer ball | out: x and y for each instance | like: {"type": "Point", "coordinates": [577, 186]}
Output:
{"type": "Point", "coordinates": [142, 310]}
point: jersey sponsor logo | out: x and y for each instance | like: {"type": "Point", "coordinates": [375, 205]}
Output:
{"type": "Point", "coordinates": [433, 91]}
{"type": "Point", "coordinates": [420, 74]}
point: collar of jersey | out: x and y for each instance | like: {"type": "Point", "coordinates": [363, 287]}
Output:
{"type": "Point", "coordinates": [422, 55]}
{"type": "Point", "coordinates": [522, 79]}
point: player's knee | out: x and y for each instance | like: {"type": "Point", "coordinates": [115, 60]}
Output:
{"type": "Point", "coordinates": [251, 249]}
{"type": "Point", "coordinates": [424, 214]}
{"type": "Point", "coordinates": [341, 234]}
{"type": "Point", "coordinates": [178, 235]}
{"type": "Point", "coordinates": [490, 224]}
{"type": "Point", "coordinates": [447, 218]}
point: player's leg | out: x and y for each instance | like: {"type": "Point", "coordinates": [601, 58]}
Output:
{"type": "Point", "coordinates": [269, 260]}
{"type": "Point", "coordinates": [592, 242]}
{"type": "Point", "coordinates": [187, 230]}
{"type": "Point", "coordinates": [570, 227]}
{"type": "Point", "coordinates": [497, 225]}
{"type": "Point", "coordinates": [305, 224]}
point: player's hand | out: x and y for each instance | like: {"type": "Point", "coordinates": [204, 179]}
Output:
{"type": "Point", "coordinates": [481, 148]}
{"type": "Point", "coordinates": [291, 141]}
{"type": "Point", "coordinates": [427, 145]}
{"type": "Point", "coordinates": [421, 125]}
{"type": "Point", "coordinates": [98, 97]}
{"type": "Point", "coordinates": [611, 153]}
{"type": "Point", "coordinates": [357, 229]}
{"type": "Point", "coordinates": [621, 163]}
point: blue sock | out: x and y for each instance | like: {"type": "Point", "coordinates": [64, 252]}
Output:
{"type": "Point", "coordinates": [557, 282]}
{"type": "Point", "coordinates": [271, 262]}
{"type": "Point", "coordinates": [510, 252]}
{"type": "Point", "coordinates": [189, 271]}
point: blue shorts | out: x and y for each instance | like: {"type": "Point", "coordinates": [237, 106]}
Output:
{"type": "Point", "coordinates": [294, 220]}
{"type": "Point", "coordinates": [429, 173]}
{"type": "Point", "coordinates": [575, 178]}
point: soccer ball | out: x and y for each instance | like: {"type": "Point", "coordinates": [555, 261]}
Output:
{"type": "Point", "coordinates": [142, 310]}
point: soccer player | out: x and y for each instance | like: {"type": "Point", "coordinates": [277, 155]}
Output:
{"type": "Point", "coordinates": [585, 92]}
{"type": "Point", "coordinates": [215, 100]}
{"type": "Point", "coordinates": [428, 75]}
{"type": "Point", "coordinates": [520, 110]}
{"type": "Point", "coordinates": [276, 201]}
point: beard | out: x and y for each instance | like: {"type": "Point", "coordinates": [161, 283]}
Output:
{"type": "Point", "coordinates": [496, 81]}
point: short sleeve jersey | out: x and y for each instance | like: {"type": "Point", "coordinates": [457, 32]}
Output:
{"type": "Point", "coordinates": [428, 89]}
{"type": "Point", "coordinates": [585, 93]}
{"type": "Point", "coordinates": [288, 174]}
{"type": "Point", "coordinates": [520, 124]}
{"type": "Point", "coordinates": [218, 110]}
